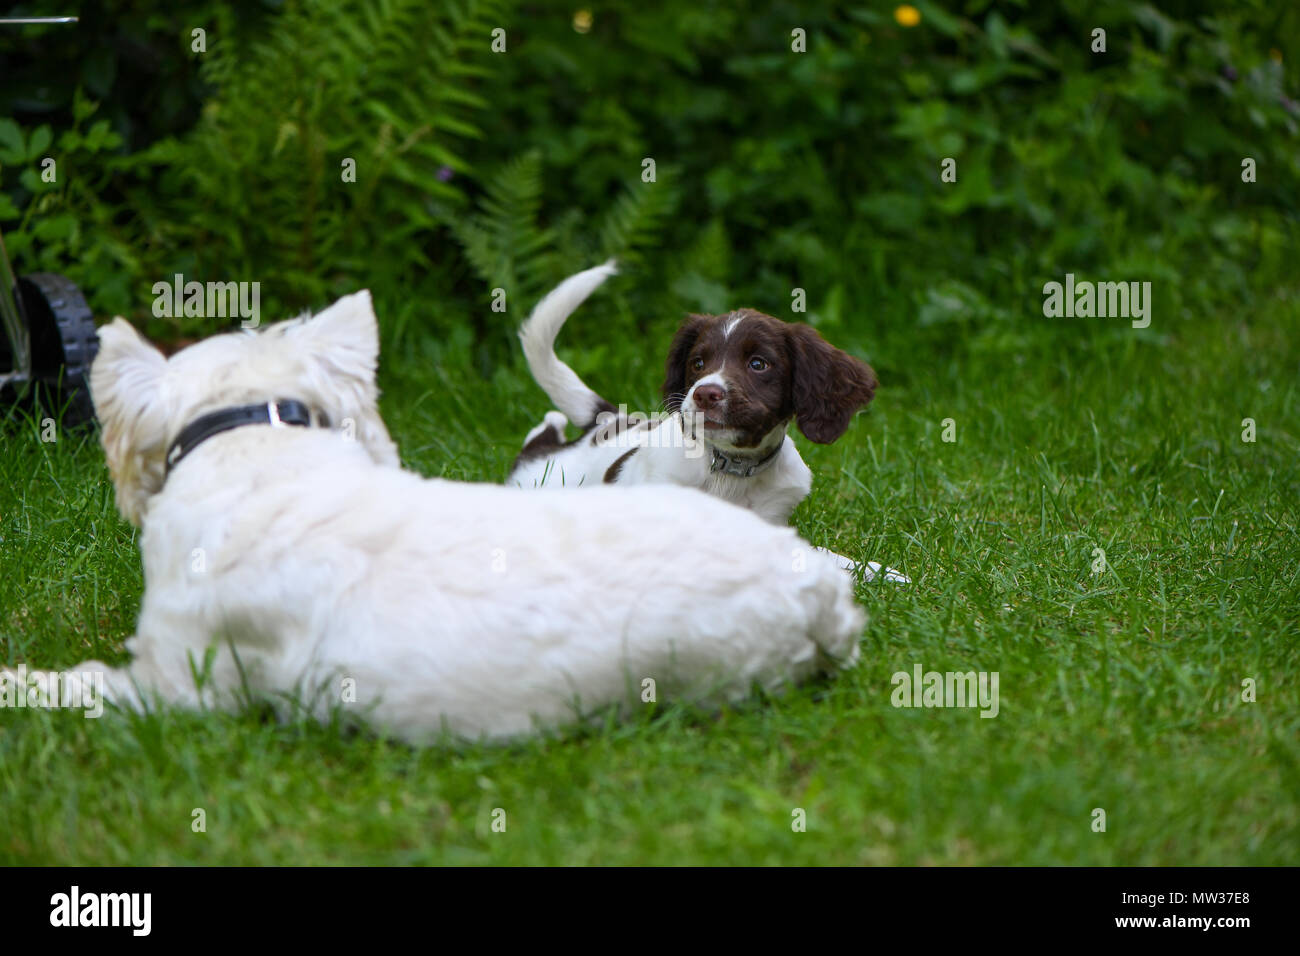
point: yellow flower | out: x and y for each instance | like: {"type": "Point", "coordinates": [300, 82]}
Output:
{"type": "Point", "coordinates": [582, 21]}
{"type": "Point", "coordinates": [907, 15]}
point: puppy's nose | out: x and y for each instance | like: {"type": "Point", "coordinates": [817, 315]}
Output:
{"type": "Point", "coordinates": [706, 396]}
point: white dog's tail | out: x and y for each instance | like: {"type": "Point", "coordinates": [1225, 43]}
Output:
{"type": "Point", "coordinates": [569, 393]}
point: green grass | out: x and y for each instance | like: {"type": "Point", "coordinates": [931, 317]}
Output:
{"type": "Point", "coordinates": [1120, 690]}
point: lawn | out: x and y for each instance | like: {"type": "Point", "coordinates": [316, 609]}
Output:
{"type": "Point", "coordinates": [1120, 690]}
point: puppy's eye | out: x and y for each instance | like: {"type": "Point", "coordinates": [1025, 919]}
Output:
{"type": "Point", "coordinates": [697, 364]}
{"type": "Point", "coordinates": [758, 364]}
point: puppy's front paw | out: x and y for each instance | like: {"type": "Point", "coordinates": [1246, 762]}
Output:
{"type": "Point", "coordinates": [846, 564]}
{"type": "Point", "coordinates": [872, 570]}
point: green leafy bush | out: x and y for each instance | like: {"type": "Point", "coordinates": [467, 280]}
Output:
{"type": "Point", "coordinates": [62, 226]}
{"type": "Point", "coordinates": [776, 170]}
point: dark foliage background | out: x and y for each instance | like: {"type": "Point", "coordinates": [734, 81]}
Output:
{"type": "Point", "coordinates": [775, 170]}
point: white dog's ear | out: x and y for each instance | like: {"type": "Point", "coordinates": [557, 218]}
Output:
{"type": "Point", "coordinates": [341, 344]}
{"type": "Point", "coordinates": [126, 386]}
{"type": "Point", "coordinates": [345, 337]}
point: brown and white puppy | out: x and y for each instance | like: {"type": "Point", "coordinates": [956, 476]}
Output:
{"type": "Point", "coordinates": [733, 384]}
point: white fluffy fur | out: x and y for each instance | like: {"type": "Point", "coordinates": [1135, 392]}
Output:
{"type": "Point", "coordinates": [570, 393]}
{"type": "Point", "coordinates": [282, 562]}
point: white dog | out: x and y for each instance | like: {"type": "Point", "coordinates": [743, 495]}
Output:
{"type": "Point", "coordinates": [287, 557]}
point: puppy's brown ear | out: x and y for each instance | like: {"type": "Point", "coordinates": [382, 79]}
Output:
{"type": "Point", "coordinates": [674, 389]}
{"type": "Point", "coordinates": [828, 385]}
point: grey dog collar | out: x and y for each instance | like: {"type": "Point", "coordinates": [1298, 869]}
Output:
{"type": "Point", "coordinates": [742, 467]}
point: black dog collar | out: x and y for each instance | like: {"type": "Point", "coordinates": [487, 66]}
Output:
{"type": "Point", "coordinates": [742, 467]}
{"type": "Point", "coordinates": [276, 414]}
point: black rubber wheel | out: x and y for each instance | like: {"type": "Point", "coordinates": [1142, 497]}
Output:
{"type": "Point", "coordinates": [64, 343]}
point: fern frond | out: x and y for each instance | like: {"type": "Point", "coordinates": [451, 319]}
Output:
{"type": "Point", "coordinates": [634, 221]}
{"type": "Point", "coordinates": [387, 84]}
{"type": "Point", "coordinates": [503, 241]}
